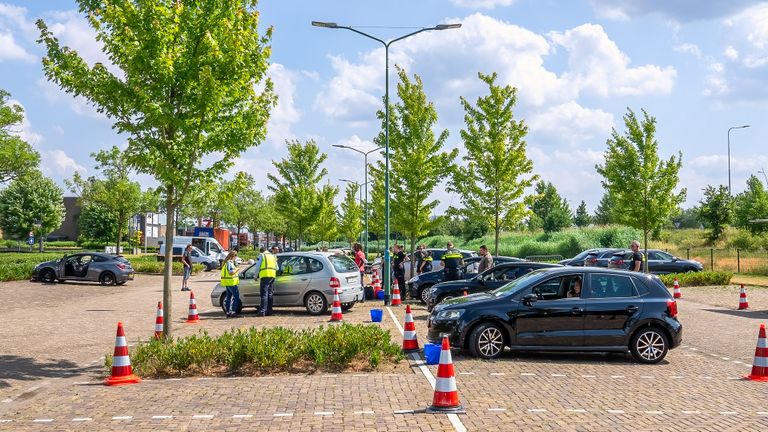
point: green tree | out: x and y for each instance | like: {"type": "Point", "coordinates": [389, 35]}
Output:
{"type": "Point", "coordinates": [417, 159]}
{"type": "Point", "coordinates": [16, 156]}
{"type": "Point", "coordinates": [687, 218]}
{"type": "Point", "coordinates": [552, 209]}
{"type": "Point", "coordinates": [498, 170]}
{"type": "Point", "coordinates": [351, 214]}
{"type": "Point", "coordinates": [192, 83]}
{"type": "Point", "coordinates": [31, 203]}
{"type": "Point", "coordinates": [751, 205]}
{"type": "Point", "coordinates": [640, 183]}
{"type": "Point", "coordinates": [96, 224]}
{"type": "Point", "coordinates": [716, 211]}
{"type": "Point", "coordinates": [582, 217]}
{"type": "Point", "coordinates": [604, 211]}
{"type": "Point", "coordinates": [239, 200]}
{"type": "Point", "coordinates": [325, 227]}
{"type": "Point", "coordinates": [295, 190]}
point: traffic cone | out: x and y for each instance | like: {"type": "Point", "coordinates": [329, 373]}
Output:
{"type": "Point", "coordinates": [446, 397]}
{"type": "Point", "coordinates": [760, 365]}
{"type": "Point", "coordinates": [743, 303]}
{"type": "Point", "coordinates": [336, 309]}
{"type": "Point", "coordinates": [396, 295]}
{"type": "Point", "coordinates": [122, 372]}
{"type": "Point", "coordinates": [410, 343]}
{"type": "Point", "coordinates": [677, 294]}
{"type": "Point", "coordinates": [159, 321]}
{"type": "Point", "coordinates": [192, 316]}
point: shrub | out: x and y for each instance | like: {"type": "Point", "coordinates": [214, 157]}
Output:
{"type": "Point", "coordinates": [703, 278]}
{"type": "Point", "coordinates": [265, 351]}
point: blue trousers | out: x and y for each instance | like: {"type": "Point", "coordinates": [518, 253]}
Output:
{"type": "Point", "coordinates": [265, 292]}
{"type": "Point", "coordinates": [232, 299]}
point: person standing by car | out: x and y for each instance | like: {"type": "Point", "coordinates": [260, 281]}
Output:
{"type": "Point", "coordinates": [186, 262]}
{"type": "Point", "coordinates": [418, 257]}
{"type": "Point", "coordinates": [452, 260]}
{"type": "Point", "coordinates": [267, 265]}
{"type": "Point", "coordinates": [398, 267]}
{"type": "Point", "coordinates": [230, 281]}
{"type": "Point", "coordinates": [426, 263]}
{"type": "Point", "coordinates": [486, 262]}
{"type": "Point", "coordinates": [360, 262]}
{"type": "Point", "coordinates": [636, 264]}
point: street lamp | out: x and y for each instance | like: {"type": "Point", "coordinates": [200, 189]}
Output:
{"type": "Point", "coordinates": [385, 270]}
{"type": "Point", "coordinates": [365, 155]}
{"type": "Point", "coordinates": [729, 154]}
{"type": "Point", "coordinates": [360, 198]}
{"type": "Point", "coordinates": [764, 176]}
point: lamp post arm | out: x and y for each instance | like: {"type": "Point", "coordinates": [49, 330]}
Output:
{"type": "Point", "coordinates": [364, 34]}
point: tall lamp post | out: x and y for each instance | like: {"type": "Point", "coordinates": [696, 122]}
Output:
{"type": "Point", "coordinates": [385, 270]}
{"type": "Point", "coordinates": [764, 176]}
{"type": "Point", "coordinates": [729, 154]}
{"type": "Point", "coordinates": [365, 155]}
{"type": "Point", "coordinates": [360, 198]}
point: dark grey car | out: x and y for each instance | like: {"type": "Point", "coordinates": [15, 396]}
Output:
{"type": "Point", "coordinates": [659, 262]}
{"type": "Point", "coordinates": [599, 257]}
{"type": "Point", "coordinates": [89, 266]}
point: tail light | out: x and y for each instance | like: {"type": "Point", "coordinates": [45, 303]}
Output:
{"type": "Point", "coordinates": [335, 283]}
{"type": "Point", "coordinates": [620, 262]}
{"type": "Point", "coordinates": [591, 260]}
{"type": "Point", "coordinates": [672, 308]}
{"type": "Point", "coordinates": [121, 266]}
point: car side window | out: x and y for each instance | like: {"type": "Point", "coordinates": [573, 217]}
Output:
{"type": "Point", "coordinates": [313, 265]}
{"type": "Point", "coordinates": [610, 286]}
{"type": "Point", "coordinates": [552, 289]}
{"type": "Point", "coordinates": [98, 258]}
{"type": "Point", "coordinates": [250, 273]}
{"type": "Point", "coordinates": [511, 273]}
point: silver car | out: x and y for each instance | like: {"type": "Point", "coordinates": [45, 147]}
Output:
{"type": "Point", "coordinates": [303, 279]}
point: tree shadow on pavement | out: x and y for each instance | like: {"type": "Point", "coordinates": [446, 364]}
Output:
{"type": "Point", "coordinates": [747, 313]}
{"type": "Point", "coordinates": [28, 369]}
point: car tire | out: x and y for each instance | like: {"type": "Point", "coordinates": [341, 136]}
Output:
{"type": "Point", "coordinates": [486, 341]}
{"type": "Point", "coordinates": [208, 267]}
{"type": "Point", "coordinates": [48, 276]}
{"type": "Point", "coordinates": [649, 345]}
{"type": "Point", "coordinates": [107, 278]}
{"type": "Point", "coordinates": [315, 303]}
{"type": "Point", "coordinates": [423, 293]}
{"type": "Point", "coordinates": [239, 306]}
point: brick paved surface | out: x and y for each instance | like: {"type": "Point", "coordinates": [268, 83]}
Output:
{"type": "Point", "coordinates": [51, 336]}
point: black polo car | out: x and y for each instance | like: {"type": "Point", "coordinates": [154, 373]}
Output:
{"type": "Point", "coordinates": [615, 311]}
{"type": "Point", "coordinates": [488, 280]}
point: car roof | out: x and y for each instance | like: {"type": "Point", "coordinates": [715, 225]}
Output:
{"type": "Point", "coordinates": [528, 264]}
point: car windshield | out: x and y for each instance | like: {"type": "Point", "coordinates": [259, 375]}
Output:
{"type": "Point", "coordinates": [521, 281]}
{"type": "Point", "coordinates": [581, 255]}
{"type": "Point", "coordinates": [343, 264]}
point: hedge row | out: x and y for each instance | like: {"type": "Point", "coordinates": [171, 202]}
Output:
{"type": "Point", "coordinates": [704, 278]}
{"type": "Point", "coordinates": [255, 351]}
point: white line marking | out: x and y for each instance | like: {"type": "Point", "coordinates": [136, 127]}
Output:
{"type": "Point", "coordinates": [497, 373]}
{"type": "Point", "coordinates": [360, 375]}
{"type": "Point", "coordinates": [403, 411]}
{"type": "Point", "coordinates": [7, 400]}
{"type": "Point", "coordinates": [363, 412]}
{"type": "Point", "coordinates": [42, 421]}
{"type": "Point", "coordinates": [728, 412]}
{"type": "Point", "coordinates": [266, 377]}
{"type": "Point", "coordinates": [81, 419]}
{"type": "Point", "coordinates": [558, 375]}
{"type": "Point", "coordinates": [691, 412]}
{"type": "Point", "coordinates": [527, 374]}
{"type": "Point", "coordinates": [616, 411]}
{"type": "Point", "coordinates": [122, 417]}
{"type": "Point", "coordinates": [282, 415]}
{"type": "Point", "coordinates": [323, 413]}
{"type": "Point", "coordinates": [453, 418]}
{"type": "Point", "coordinates": [162, 417]}
{"type": "Point", "coordinates": [82, 382]}
{"type": "Point", "coordinates": [738, 362]}
{"type": "Point", "coordinates": [234, 378]}
{"type": "Point", "coordinates": [240, 416]}
{"type": "Point", "coordinates": [725, 358]}
{"type": "Point", "coordinates": [762, 413]}
{"type": "Point", "coordinates": [497, 409]}
{"type": "Point", "coordinates": [328, 376]}
{"type": "Point", "coordinates": [654, 412]}
{"type": "Point", "coordinates": [537, 410]}
{"type": "Point", "coordinates": [467, 373]}
{"type": "Point", "coordinates": [5, 421]}
{"type": "Point", "coordinates": [647, 377]}
{"type": "Point", "coordinates": [578, 410]}
{"type": "Point", "coordinates": [677, 377]}
{"type": "Point", "coordinates": [734, 378]}
{"type": "Point", "coordinates": [202, 416]}
{"type": "Point", "coordinates": [589, 376]}
{"type": "Point", "coordinates": [706, 377]}
{"type": "Point", "coordinates": [204, 379]}
{"type": "Point", "coordinates": [617, 376]}
{"type": "Point", "coordinates": [694, 349]}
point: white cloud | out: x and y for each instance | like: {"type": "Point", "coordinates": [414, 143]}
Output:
{"type": "Point", "coordinates": [285, 115]}
{"type": "Point", "coordinates": [74, 31]}
{"type": "Point", "coordinates": [712, 170]}
{"type": "Point", "coordinates": [24, 130]}
{"type": "Point", "coordinates": [482, 4]}
{"type": "Point", "coordinates": [53, 94]}
{"type": "Point", "coordinates": [688, 48]}
{"type": "Point", "coordinates": [57, 164]}
{"type": "Point", "coordinates": [572, 172]}
{"type": "Point", "coordinates": [731, 53]}
{"type": "Point", "coordinates": [16, 16]}
{"type": "Point", "coordinates": [10, 50]}
{"type": "Point", "coordinates": [571, 123]}
{"type": "Point", "coordinates": [679, 10]}
{"type": "Point", "coordinates": [750, 29]}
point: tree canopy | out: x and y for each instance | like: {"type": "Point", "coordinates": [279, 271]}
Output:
{"type": "Point", "coordinates": [31, 203]}
{"type": "Point", "coordinates": [16, 156]}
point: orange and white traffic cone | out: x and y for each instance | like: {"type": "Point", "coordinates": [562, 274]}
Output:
{"type": "Point", "coordinates": [159, 321]}
{"type": "Point", "coordinates": [122, 372]}
{"type": "Point", "coordinates": [446, 397]}
{"type": "Point", "coordinates": [677, 294]}
{"type": "Point", "coordinates": [396, 295]}
{"type": "Point", "coordinates": [743, 303]}
{"type": "Point", "coordinates": [336, 308]}
{"type": "Point", "coordinates": [760, 365]}
{"type": "Point", "coordinates": [410, 343]}
{"type": "Point", "coordinates": [192, 316]}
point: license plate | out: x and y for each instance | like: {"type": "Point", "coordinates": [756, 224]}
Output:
{"type": "Point", "coordinates": [352, 279]}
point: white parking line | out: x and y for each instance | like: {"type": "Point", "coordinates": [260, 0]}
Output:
{"type": "Point", "coordinates": [728, 412]}
{"type": "Point", "coordinates": [323, 413]}
{"type": "Point", "coordinates": [577, 410]}
{"type": "Point", "coordinates": [647, 377]}
{"type": "Point", "coordinates": [202, 416]}
{"type": "Point", "coordinates": [615, 411]}
{"type": "Point", "coordinates": [762, 413]}
{"type": "Point", "coordinates": [497, 409]}
{"type": "Point", "coordinates": [283, 414]}
{"type": "Point", "coordinates": [5, 420]}
{"type": "Point", "coordinates": [363, 412]}
{"type": "Point", "coordinates": [498, 373]}
{"type": "Point", "coordinates": [617, 376]}
{"type": "Point", "coordinates": [691, 412]}
{"type": "Point", "coordinates": [467, 373]}
{"type": "Point", "coordinates": [558, 375]}
{"type": "Point", "coordinates": [8, 400]}
{"type": "Point", "coordinates": [242, 416]}
{"type": "Point", "coordinates": [527, 374]}
{"type": "Point", "coordinates": [42, 421]}
{"type": "Point", "coordinates": [676, 377]}
{"type": "Point", "coordinates": [589, 376]}
{"type": "Point", "coordinates": [162, 417]}
{"type": "Point", "coordinates": [81, 419]}
{"type": "Point", "coordinates": [725, 358]}
{"type": "Point", "coordinates": [122, 417]}
{"type": "Point", "coordinates": [403, 411]}
{"type": "Point", "coordinates": [360, 375]}
{"type": "Point", "coordinates": [537, 410]}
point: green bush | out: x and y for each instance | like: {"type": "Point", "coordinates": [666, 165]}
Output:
{"type": "Point", "coordinates": [265, 351]}
{"type": "Point", "coordinates": [704, 278]}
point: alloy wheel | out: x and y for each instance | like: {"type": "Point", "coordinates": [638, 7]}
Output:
{"type": "Point", "coordinates": [491, 342]}
{"type": "Point", "coordinates": [315, 303]}
{"type": "Point", "coordinates": [650, 345]}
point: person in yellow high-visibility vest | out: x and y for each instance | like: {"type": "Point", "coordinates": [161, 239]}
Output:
{"type": "Point", "coordinates": [267, 265]}
{"type": "Point", "coordinates": [230, 281]}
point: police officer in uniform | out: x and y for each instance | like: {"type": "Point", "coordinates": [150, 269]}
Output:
{"type": "Point", "coordinates": [267, 264]}
{"type": "Point", "coordinates": [452, 261]}
{"type": "Point", "coordinates": [426, 262]}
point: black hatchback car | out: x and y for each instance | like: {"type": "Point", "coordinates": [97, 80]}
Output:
{"type": "Point", "coordinates": [615, 311]}
{"type": "Point", "coordinates": [488, 280]}
{"type": "Point", "coordinates": [659, 262]}
{"type": "Point", "coordinates": [419, 285]}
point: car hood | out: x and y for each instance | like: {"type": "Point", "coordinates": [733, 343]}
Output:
{"type": "Point", "coordinates": [463, 301]}
{"type": "Point", "coordinates": [52, 263]}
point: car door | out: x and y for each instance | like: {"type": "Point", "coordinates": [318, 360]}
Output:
{"type": "Point", "coordinates": [249, 286]}
{"type": "Point", "coordinates": [661, 262]}
{"type": "Point", "coordinates": [496, 278]}
{"type": "Point", "coordinates": [293, 275]}
{"type": "Point", "coordinates": [611, 301]}
{"type": "Point", "coordinates": [554, 319]}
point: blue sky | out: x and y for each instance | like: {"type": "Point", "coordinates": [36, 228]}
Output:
{"type": "Point", "coordinates": [698, 67]}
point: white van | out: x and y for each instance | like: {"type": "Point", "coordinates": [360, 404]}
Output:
{"type": "Point", "coordinates": [196, 255]}
{"type": "Point", "coordinates": [208, 245]}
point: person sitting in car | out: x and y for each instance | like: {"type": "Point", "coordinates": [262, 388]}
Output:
{"type": "Point", "coordinates": [575, 290]}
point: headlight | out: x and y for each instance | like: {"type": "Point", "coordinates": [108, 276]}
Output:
{"type": "Point", "coordinates": [451, 314]}
{"type": "Point", "coordinates": [413, 279]}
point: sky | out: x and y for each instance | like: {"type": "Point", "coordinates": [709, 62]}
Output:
{"type": "Point", "coordinates": [698, 67]}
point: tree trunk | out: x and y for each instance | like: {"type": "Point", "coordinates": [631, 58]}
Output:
{"type": "Point", "coordinates": [413, 255]}
{"type": "Point", "coordinates": [170, 209]}
{"type": "Point", "coordinates": [497, 231]}
{"type": "Point", "coordinates": [645, 256]}
{"type": "Point", "coordinates": [119, 234]}
{"type": "Point", "coordinates": [40, 244]}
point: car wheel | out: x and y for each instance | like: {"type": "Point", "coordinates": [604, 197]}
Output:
{"type": "Point", "coordinates": [223, 309]}
{"type": "Point", "coordinates": [208, 267]}
{"type": "Point", "coordinates": [424, 294]}
{"type": "Point", "coordinates": [315, 303]}
{"type": "Point", "coordinates": [486, 341]}
{"type": "Point", "coordinates": [649, 345]}
{"type": "Point", "coordinates": [48, 276]}
{"type": "Point", "coordinates": [107, 278]}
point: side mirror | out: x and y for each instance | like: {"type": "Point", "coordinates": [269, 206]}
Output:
{"type": "Point", "coordinates": [529, 299]}
{"type": "Point", "coordinates": [674, 259]}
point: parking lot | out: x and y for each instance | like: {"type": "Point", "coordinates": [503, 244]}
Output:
{"type": "Point", "coordinates": [53, 338]}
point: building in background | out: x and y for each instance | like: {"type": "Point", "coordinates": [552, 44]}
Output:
{"type": "Point", "coordinates": [69, 229]}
